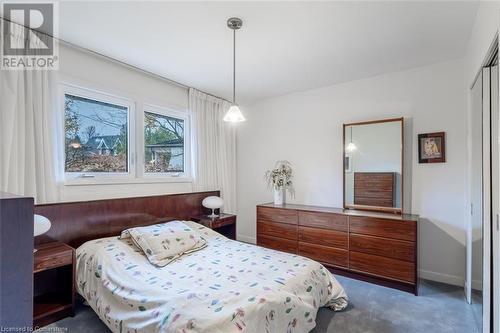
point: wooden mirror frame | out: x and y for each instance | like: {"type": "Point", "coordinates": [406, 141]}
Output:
{"type": "Point", "coordinates": [394, 210]}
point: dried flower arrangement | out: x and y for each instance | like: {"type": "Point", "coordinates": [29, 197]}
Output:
{"type": "Point", "coordinates": [280, 178]}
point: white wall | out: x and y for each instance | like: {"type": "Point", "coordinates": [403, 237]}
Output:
{"type": "Point", "coordinates": [306, 129]}
{"type": "Point", "coordinates": [95, 72]}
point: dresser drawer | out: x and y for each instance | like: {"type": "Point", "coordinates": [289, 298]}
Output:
{"type": "Point", "coordinates": [275, 243]}
{"type": "Point", "coordinates": [275, 229]}
{"type": "Point", "coordinates": [372, 192]}
{"type": "Point", "coordinates": [277, 215]}
{"type": "Point", "coordinates": [375, 177]}
{"type": "Point", "coordinates": [323, 220]}
{"type": "Point", "coordinates": [57, 260]}
{"type": "Point", "coordinates": [324, 254]}
{"type": "Point", "coordinates": [384, 247]}
{"type": "Point", "coordinates": [325, 237]}
{"type": "Point", "coordinates": [379, 201]}
{"type": "Point", "coordinates": [397, 229]}
{"type": "Point", "coordinates": [382, 267]}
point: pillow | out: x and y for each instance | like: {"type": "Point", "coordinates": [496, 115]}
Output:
{"type": "Point", "coordinates": [166, 242]}
{"type": "Point", "coordinates": [159, 224]}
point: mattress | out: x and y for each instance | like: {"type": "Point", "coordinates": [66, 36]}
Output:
{"type": "Point", "coordinates": [229, 286]}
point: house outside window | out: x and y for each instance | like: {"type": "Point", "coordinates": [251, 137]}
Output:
{"type": "Point", "coordinates": [165, 142]}
{"type": "Point", "coordinates": [101, 145]}
{"type": "Point", "coordinates": [97, 133]}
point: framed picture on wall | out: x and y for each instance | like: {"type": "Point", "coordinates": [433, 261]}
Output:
{"type": "Point", "coordinates": [431, 148]}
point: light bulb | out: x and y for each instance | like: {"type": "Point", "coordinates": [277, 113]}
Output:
{"type": "Point", "coordinates": [351, 147]}
{"type": "Point", "coordinates": [234, 115]}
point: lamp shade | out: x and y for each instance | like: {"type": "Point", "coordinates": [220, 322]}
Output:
{"type": "Point", "coordinates": [351, 147]}
{"type": "Point", "coordinates": [212, 202]}
{"type": "Point", "coordinates": [234, 115]}
{"type": "Point", "coordinates": [42, 225]}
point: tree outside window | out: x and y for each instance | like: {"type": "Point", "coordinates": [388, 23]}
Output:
{"type": "Point", "coordinates": [164, 143]}
{"type": "Point", "coordinates": [96, 135]}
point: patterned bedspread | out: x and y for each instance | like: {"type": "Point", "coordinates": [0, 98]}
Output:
{"type": "Point", "coordinates": [228, 286]}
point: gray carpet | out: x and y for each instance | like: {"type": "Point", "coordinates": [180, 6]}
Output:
{"type": "Point", "coordinates": [439, 308]}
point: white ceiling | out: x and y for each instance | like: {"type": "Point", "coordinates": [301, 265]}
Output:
{"type": "Point", "coordinates": [283, 46]}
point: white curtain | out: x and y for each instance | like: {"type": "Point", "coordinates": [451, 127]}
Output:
{"type": "Point", "coordinates": [214, 147]}
{"type": "Point", "coordinates": [27, 130]}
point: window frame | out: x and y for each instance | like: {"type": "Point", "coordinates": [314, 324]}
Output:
{"type": "Point", "coordinates": [166, 176]}
{"type": "Point", "coordinates": [84, 178]}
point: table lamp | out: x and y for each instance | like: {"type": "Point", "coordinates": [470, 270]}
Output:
{"type": "Point", "coordinates": [213, 203]}
{"type": "Point", "coordinates": [41, 225]}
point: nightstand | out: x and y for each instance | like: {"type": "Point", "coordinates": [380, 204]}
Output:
{"type": "Point", "coordinates": [224, 224]}
{"type": "Point", "coordinates": [54, 287]}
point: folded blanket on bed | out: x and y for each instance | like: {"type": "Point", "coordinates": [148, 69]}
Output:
{"type": "Point", "coordinates": [165, 242]}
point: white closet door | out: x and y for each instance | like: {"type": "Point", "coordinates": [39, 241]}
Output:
{"type": "Point", "coordinates": [495, 195]}
{"type": "Point", "coordinates": [474, 275]}
{"type": "Point", "coordinates": [487, 209]}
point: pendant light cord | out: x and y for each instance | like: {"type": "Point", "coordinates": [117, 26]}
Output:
{"type": "Point", "coordinates": [234, 66]}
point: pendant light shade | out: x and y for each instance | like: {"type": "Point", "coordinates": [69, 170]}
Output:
{"type": "Point", "coordinates": [351, 146]}
{"type": "Point", "coordinates": [234, 114]}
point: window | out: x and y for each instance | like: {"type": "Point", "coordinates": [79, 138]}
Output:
{"type": "Point", "coordinates": [96, 130]}
{"type": "Point", "coordinates": [102, 145]}
{"type": "Point", "coordinates": [165, 134]}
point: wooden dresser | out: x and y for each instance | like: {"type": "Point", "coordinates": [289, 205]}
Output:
{"type": "Point", "coordinates": [374, 189]}
{"type": "Point", "coordinates": [375, 247]}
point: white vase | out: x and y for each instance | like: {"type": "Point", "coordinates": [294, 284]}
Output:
{"type": "Point", "coordinates": [279, 196]}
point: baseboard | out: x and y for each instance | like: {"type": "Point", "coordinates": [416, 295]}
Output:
{"type": "Point", "coordinates": [477, 284]}
{"type": "Point", "coordinates": [246, 239]}
{"type": "Point", "coordinates": [440, 277]}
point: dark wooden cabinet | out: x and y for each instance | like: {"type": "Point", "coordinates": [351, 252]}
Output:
{"type": "Point", "coordinates": [16, 262]}
{"type": "Point", "coordinates": [374, 189]}
{"type": "Point", "coordinates": [323, 220]}
{"type": "Point", "coordinates": [383, 227]}
{"type": "Point", "coordinates": [224, 224]}
{"type": "Point", "coordinates": [54, 288]}
{"type": "Point", "coordinates": [276, 243]}
{"type": "Point", "coordinates": [278, 215]}
{"type": "Point", "coordinates": [275, 229]}
{"type": "Point", "coordinates": [325, 254]}
{"type": "Point", "coordinates": [375, 247]}
{"type": "Point", "coordinates": [384, 247]}
{"type": "Point", "coordinates": [333, 238]}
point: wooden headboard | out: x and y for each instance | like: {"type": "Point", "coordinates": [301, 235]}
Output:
{"type": "Point", "coordinates": [74, 223]}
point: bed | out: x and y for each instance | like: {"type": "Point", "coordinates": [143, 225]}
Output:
{"type": "Point", "coordinates": [228, 286]}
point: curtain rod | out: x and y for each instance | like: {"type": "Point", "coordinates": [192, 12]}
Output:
{"type": "Point", "coordinates": [119, 62]}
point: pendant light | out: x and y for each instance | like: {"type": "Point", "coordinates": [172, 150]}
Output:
{"type": "Point", "coordinates": [234, 114]}
{"type": "Point", "coordinates": [351, 146]}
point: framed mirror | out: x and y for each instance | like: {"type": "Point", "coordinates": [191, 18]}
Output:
{"type": "Point", "coordinates": [373, 165]}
